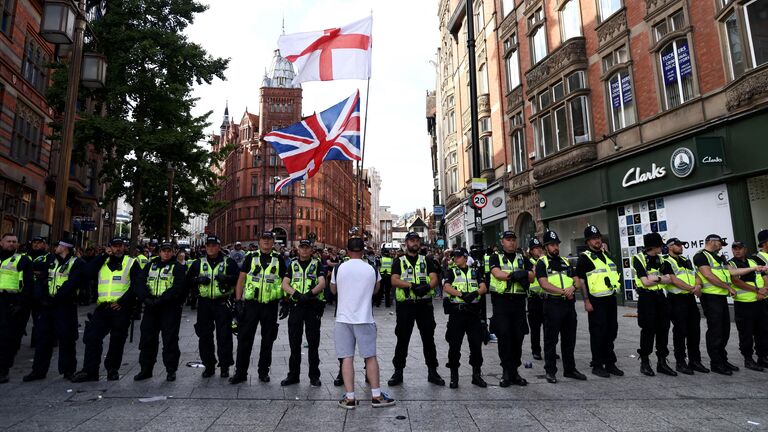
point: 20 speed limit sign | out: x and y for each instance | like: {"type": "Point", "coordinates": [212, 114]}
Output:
{"type": "Point", "coordinates": [479, 200]}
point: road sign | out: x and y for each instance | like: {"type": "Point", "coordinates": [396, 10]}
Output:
{"type": "Point", "coordinates": [479, 183]}
{"type": "Point", "coordinates": [479, 200]}
{"type": "Point", "coordinates": [439, 211]}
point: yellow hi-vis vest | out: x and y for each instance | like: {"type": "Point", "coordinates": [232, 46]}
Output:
{"type": "Point", "coordinates": [263, 284]}
{"type": "Point", "coordinates": [684, 274]}
{"type": "Point", "coordinates": [720, 271]}
{"type": "Point", "coordinates": [113, 284]}
{"type": "Point", "coordinates": [743, 295]}
{"type": "Point", "coordinates": [487, 263]}
{"type": "Point", "coordinates": [650, 272]}
{"type": "Point", "coordinates": [464, 282]}
{"type": "Point", "coordinates": [11, 279]}
{"type": "Point", "coordinates": [560, 279]}
{"type": "Point", "coordinates": [386, 266]}
{"type": "Point", "coordinates": [764, 256]}
{"type": "Point", "coordinates": [212, 291]}
{"type": "Point", "coordinates": [596, 279]}
{"type": "Point", "coordinates": [303, 280]}
{"type": "Point", "coordinates": [535, 288]}
{"type": "Point", "coordinates": [142, 260]}
{"type": "Point", "coordinates": [500, 285]}
{"type": "Point", "coordinates": [160, 279]}
{"type": "Point", "coordinates": [59, 273]}
{"type": "Point", "coordinates": [415, 275]}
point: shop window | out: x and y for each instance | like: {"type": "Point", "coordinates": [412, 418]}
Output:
{"type": "Point", "coordinates": [562, 118]}
{"type": "Point", "coordinates": [27, 135]}
{"type": "Point", "coordinates": [676, 70]}
{"type": "Point", "coordinates": [7, 20]}
{"type": "Point", "coordinates": [570, 20]}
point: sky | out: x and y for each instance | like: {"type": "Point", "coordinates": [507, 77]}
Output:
{"type": "Point", "coordinates": [405, 39]}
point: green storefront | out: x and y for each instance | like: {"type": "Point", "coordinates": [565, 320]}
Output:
{"type": "Point", "coordinates": [712, 182]}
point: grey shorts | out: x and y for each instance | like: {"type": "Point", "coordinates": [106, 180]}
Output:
{"type": "Point", "coordinates": [349, 335]}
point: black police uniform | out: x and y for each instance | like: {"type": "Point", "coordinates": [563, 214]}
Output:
{"type": "Point", "coordinates": [162, 315]}
{"type": "Point", "coordinates": [603, 323]}
{"type": "Point", "coordinates": [305, 314]}
{"type": "Point", "coordinates": [751, 319]}
{"type": "Point", "coordinates": [653, 312]}
{"type": "Point", "coordinates": [214, 315]}
{"type": "Point", "coordinates": [715, 308]}
{"type": "Point", "coordinates": [509, 322]}
{"type": "Point", "coordinates": [38, 257]}
{"type": "Point", "coordinates": [463, 318]}
{"type": "Point", "coordinates": [535, 308]}
{"type": "Point", "coordinates": [258, 313]}
{"type": "Point", "coordinates": [14, 313]}
{"type": "Point", "coordinates": [685, 317]}
{"type": "Point", "coordinates": [56, 317]}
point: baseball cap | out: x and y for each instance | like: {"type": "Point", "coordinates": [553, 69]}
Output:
{"type": "Point", "coordinates": [713, 237]}
{"type": "Point", "coordinates": [238, 244]}
{"type": "Point", "coordinates": [116, 241]}
{"type": "Point", "coordinates": [166, 245]}
{"type": "Point", "coordinates": [412, 235]}
{"type": "Point", "coordinates": [39, 239]}
{"type": "Point", "coordinates": [508, 233]}
{"type": "Point", "coordinates": [738, 245]}
{"type": "Point", "coordinates": [460, 252]}
{"type": "Point", "coordinates": [212, 239]}
{"type": "Point", "coordinates": [355, 244]}
{"type": "Point", "coordinates": [305, 243]}
{"type": "Point", "coordinates": [674, 241]}
{"type": "Point", "coordinates": [267, 235]}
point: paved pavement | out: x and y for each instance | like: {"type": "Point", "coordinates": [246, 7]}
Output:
{"type": "Point", "coordinates": [630, 403]}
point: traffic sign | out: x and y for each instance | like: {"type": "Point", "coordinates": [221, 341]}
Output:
{"type": "Point", "coordinates": [479, 200]}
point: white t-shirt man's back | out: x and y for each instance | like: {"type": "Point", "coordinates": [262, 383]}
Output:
{"type": "Point", "coordinates": [355, 281]}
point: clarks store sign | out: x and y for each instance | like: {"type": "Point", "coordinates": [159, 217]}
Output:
{"type": "Point", "coordinates": [681, 163]}
{"type": "Point", "coordinates": [636, 175]}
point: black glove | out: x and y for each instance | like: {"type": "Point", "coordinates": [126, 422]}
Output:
{"type": "Point", "coordinates": [285, 309]}
{"type": "Point", "coordinates": [469, 297]}
{"type": "Point", "coordinates": [520, 276]}
{"type": "Point", "coordinates": [150, 301]}
{"type": "Point", "coordinates": [203, 280]}
{"type": "Point", "coordinates": [240, 310]}
{"type": "Point", "coordinates": [222, 278]}
{"type": "Point", "coordinates": [420, 290]}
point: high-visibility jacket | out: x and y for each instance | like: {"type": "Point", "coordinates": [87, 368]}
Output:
{"type": "Point", "coordinates": [682, 272]}
{"type": "Point", "coordinates": [211, 290]}
{"type": "Point", "coordinates": [603, 280]}
{"type": "Point", "coordinates": [113, 284]}
{"type": "Point", "coordinates": [500, 285]}
{"type": "Point", "coordinates": [386, 265]}
{"type": "Point", "coordinates": [743, 295]}
{"type": "Point", "coordinates": [464, 281]}
{"type": "Point", "coordinates": [417, 274]}
{"type": "Point", "coordinates": [650, 272]}
{"type": "Point", "coordinates": [58, 273]}
{"type": "Point", "coordinates": [160, 278]}
{"type": "Point", "coordinates": [720, 271]}
{"type": "Point", "coordinates": [11, 279]}
{"type": "Point", "coordinates": [142, 260]}
{"type": "Point", "coordinates": [535, 288]}
{"type": "Point", "coordinates": [559, 278]}
{"type": "Point", "coordinates": [264, 284]}
{"type": "Point", "coordinates": [304, 279]}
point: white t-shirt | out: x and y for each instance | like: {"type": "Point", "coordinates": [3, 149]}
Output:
{"type": "Point", "coordinates": [355, 281]}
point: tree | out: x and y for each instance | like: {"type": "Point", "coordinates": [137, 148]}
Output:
{"type": "Point", "coordinates": [141, 121]}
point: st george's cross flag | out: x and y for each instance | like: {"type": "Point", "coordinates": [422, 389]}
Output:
{"type": "Point", "coordinates": [332, 54]}
{"type": "Point", "coordinates": [333, 134]}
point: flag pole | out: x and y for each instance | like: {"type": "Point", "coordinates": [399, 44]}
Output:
{"type": "Point", "coordinates": [362, 154]}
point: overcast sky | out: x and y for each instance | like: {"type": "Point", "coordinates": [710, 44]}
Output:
{"type": "Point", "coordinates": [405, 37]}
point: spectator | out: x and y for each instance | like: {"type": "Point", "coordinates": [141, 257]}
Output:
{"type": "Point", "coordinates": [238, 254]}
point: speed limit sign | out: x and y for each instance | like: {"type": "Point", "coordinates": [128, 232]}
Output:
{"type": "Point", "coordinates": [479, 200]}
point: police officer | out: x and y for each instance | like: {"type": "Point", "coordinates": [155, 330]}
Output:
{"type": "Point", "coordinates": [535, 300]}
{"type": "Point", "coordinates": [56, 317]}
{"type": "Point", "coordinates": [162, 292]}
{"type": "Point", "coordinates": [761, 257]}
{"type": "Point", "coordinates": [510, 277]}
{"type": "Point", "coordinates": [304, 284]}
{"type": "Point", "coordinates": [598, 278]}
{"type": "Point", "coordinates": [38, 254]}
{"type": "Point", "coordinates": [117, 277]}
{"type": "Point", "coordinates": [212, 277]}
{"type": "Point", "coordinates": [653, 312]}
{"type": "Point", "coordinates": [463, 287]}
{"type": "Point", "coordinates": [258, 294]}
{"type": "Point", "coordinates": [685, 286]}
{"type": "Point", "coordinates": [555, 275]}
{"type": "Point", "coordinates": [414, 278]}
{"type": "Point", "coordinates": [386, 279]}
{"type": "Point", "coordinates": [749, 307]}
{"type": "Point", "coordinates": [16, 297]}
{"type": "Point", "coordinates": [143, 256]}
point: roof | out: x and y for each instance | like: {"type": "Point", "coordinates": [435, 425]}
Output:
{"type": "Point", "coordinates": [280, 74]}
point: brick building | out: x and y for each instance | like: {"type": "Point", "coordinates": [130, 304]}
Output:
{"type": "Point", "coordinates": [28, 159]}
{"type": "Point", "coordinates": [323, 206]}
{"type": "Point", "coordinates": [632, 115]}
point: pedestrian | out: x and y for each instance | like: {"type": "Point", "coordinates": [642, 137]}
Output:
{"type": "Point", "coordinates": [238, 254]}
{"type": "Point", "coordinates": [555, 275]}
{"type": "Point", "coordinates": [414, 278]}
{"type": "Point", "coordinates": [117, 275]}
{"type": "Point", "coordinates": [510, 278]}
{"type": "Point", "coordinates": [16, 297]}
{"type": "Point", "coordinates": [354, 282]}
{"type": "Point", "coordinates": [304, 283]}
{"type": "Point", "coordinates": [463, 287]}
{"type": "Point", "coordinates": [535, 300]}
{"type": "Point", "coordinates": [57, 312]}
{"type": "Point", "coordinates": [212, 277]}
{"type": "Point", "coordinates": [598, 278]}
{"type": "Point", "coordinates": [257, 295]}
{"type": "Point", "coordinates": [162, 292]}
{"type": "Point", "coordinates": [682, 292]}
{"type": "Point", "coordinates": [749, 307]}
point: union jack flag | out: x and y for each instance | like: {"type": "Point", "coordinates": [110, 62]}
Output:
{"type": "Point", "coordinates": [333, 134]}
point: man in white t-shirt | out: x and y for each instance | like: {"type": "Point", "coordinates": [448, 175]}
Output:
{"type": "Point", "coordinates": [354, 282]}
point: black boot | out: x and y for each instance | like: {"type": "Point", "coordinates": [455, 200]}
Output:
{"type": "Point", "coordinates": [34, 376]}
{"type": "Point", "coordinates": [683, 368]}
{"type": "Point", "coordinates": [663, 367]}
{"type": "Point", "coordinates": [762, 361]}
{"type": "Point", "coordinates": [477, 378]}
{"type": "Point", "coordinates": [225, 372]}
{"type": "Point", "coordinates": [516, 379]}
{"type": "Point", "coordinates": [238, 378]}
{"type": "Point", "coordinates": [209, 371]}
{"type": "Point", "coordinates": [697, 366]}
{"type": "Point", "coordinates": [143, 375]}
{"type": "Point", "coordinates": [170, 376]}
{"type": "Point", "coordinates": [749, 363]}
{"type": "Point", "coordinates": [397, 378]}
{"type": "Point", "coordinates": [601, 372]}
{"type": "Point", "coordinates": [79, 377]}
{"type": "Point", "coordinates": [645, 367]}
{"type": "Point", "coordinates": [290, 380]}
{"type": "Point", "coordinates": [454, 378]}
{"type": "Point", "coordinates": [434, 377]}
{"type": "Point", "coordinates": [731, 366]}
{"type": "Point", "coordinates": [613, 370]}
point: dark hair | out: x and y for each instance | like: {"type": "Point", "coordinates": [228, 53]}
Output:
{"type": "Point", "coordinates": [8, 235]}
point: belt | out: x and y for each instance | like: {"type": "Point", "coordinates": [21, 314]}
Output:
{"type": "Point", "coordinates": [509, 295]}
{"type": "Point", "coordinates": [558, 298]}
{"type": "Point", "coordinates": [647, 291]}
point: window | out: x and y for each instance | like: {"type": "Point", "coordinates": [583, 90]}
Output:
{"type": "Point", "coordinates": [450, 122]}
{"type": "Point", "coordinates": [674, 22]}
{"type": "Point", "coordinates": [676, 73]}
{"type": "Point", "coordinates": [757, 30]}
{"type": "Point", "coordinates": [255, 159]}
{"type": "Point", "coordinates": [479, 18]}
{"type": "Point", "coordinates": [745, 35]}
{"type": "Point", "coordinates": [608, 8]}
{"type": "Point", "coordinates": [90, 178]}
{"type": "Point", "coordinates": [570, 19]}
{"type": "Point", "coordinates": [33, 66]}
{"type": "Point", "coordinates": [486, 152]}
{"type": "Point", "coordinates": [254, 186]}
{"type": "Point", "coordinates": [538, 44]}
{"type": "Point", "coordinates": [7, 20]}
{"type": "Point", "coordinates": [579, 119]}
{"type": "Point", "coordinates": [303, 188]}
{"type": "Point", "coordinates": [482, 80]}
{"type": "Point", "coordinates": [512, 63]}
{"type": "Point", "coordinates": [272, 182]}
{"type": "Point", "coordinates": [507, 6]}
{"type": "Point", "coordinates": [272, 156]}
{"type": "Point", "coordinates": [621, 100]}
{"type": "Point", "coordinates": [453, 180]}
{"type": "Point", "coordinates": [735, 51]}
{"type": "Point", "coordinates": [27, 135]}
{"type": "Point", "coordinates": [618, 56]}
{"type": "Point", "coordinates": [562, 117]}
{"type": "Point", "coordinates": [518, 144]}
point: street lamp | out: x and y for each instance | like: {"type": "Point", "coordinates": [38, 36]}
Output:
{"type": "Point", "coordinates": [94, 70]}
{"type": "Point", "coordinates": [58, 26]}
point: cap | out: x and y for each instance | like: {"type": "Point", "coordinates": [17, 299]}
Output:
{"type": "Point", "coordinates": [39, 239]}
{"type": "Point", "coordinates": [238, 244]}
{"type": "Point", "coordinates": [591, 231]}
{"type": "Point", "coordinates": [508, 233]}
{"type": "Point", "coordinates": [251, 244]}
{"type": "Point", "coordinates": [166, 245]}
{"type": "Point", "coordinates": [762, 237]}
{"type": "Point", "coordinates": [460, 252]}
{"type": "Point", "coordinates": [355, 244]}
{"type": "Point", "coordinates": [474, 247]}
{"type": "Point", "coordinates": [267, 235]}
{"type": "Point", "coordinates": [305, 243]}
{"type": "Point", "coordinates": [116, 241]}
{"type": "Point", "coordinates": [651, 240]}
{"type": "Point", "coordinates": [412, 235]}
{"type": "Point", "coordinates": [212, 239]}
{"type": "Point", "coordinates": [713, 237]}
{"type": "Point", "coordinates": [551, 237]}
{"type": "Point", "coordinates": [66, 243]}
{"type": "Point", "coordinates": [534, 243]}
{"type": "Point", "coordinates": [674, 241]}
{"type": "Point", "coordinates": [738, 245]}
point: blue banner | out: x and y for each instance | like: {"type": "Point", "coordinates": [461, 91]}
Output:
{"type": "Point", "coordinates": [615, 93]}
{"type": "Point", "coordinates": [626, 89]}
{"type": "Point", "coordinates": [684, 59]}
{"type": "Point", "coordinates": [621, 92]}
{"type": "Point", "coordinates": [668, 67]}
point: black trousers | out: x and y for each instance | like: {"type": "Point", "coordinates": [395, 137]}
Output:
{"type": "Point", "coordinates": [686, 331]}
{"type": "Point", "coordinates": [461, 322]}
{"type": "Point", "coordinates": [56, 323]}
{"type": "Point", "coordinates": [559, 322]}
{"type": "Point", "coordinates": [102, 322]}
{"type": "Point", "coordinates": [13, 321]}
{"type": "Point", "coordinates": [718, 326]}
{"type": "Point", "coordinates": [213, 314]}
{"type": "Point", "coordinates": [653, 317]}
{"type": "Point", "coordinates": [422, 314]}
{"type": "Point", "coordinates": [603, 330]}
{"type": "Point", "coordinates": [257, 313]}
{"type": "Point", "coordinates": [535, 321]}
{"type": "Point", "coordinates": [752, 324]}
{"type": "Point", "coordinates": [305, 316]}
{"type": "Point", "coordinates": [509, 324]}
{"type": "Point", "coordinates": [385, 292]}
{"type": "Point", "coordinates": [161, 319]}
